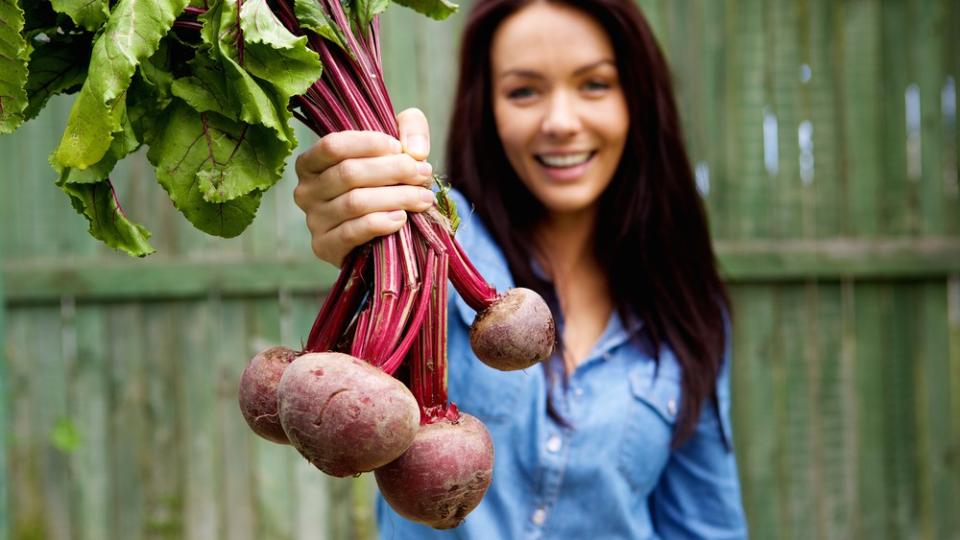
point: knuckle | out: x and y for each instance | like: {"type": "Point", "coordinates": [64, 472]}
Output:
{"type": "Point", "coordinates": [349, 172]}
{"type": "Point", "coordinates": [407, 166]}
{"type": "Point", "coordinates": [300, 196]}
{"type": "Point", "coordinates": [299, 166]}
{"type": "Point", "coordinates": [330, 146]}
{"type": "Point", "coordinates": [353, 203]}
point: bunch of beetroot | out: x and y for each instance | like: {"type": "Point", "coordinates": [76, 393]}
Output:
{"type": "Point", "coordinates": [337, 401]}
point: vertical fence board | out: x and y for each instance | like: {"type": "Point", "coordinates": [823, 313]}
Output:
{"type": "Point", "coordinates": [862, 116]}
{"type": "Point", "coordinates": [781, 118]}
{"type": "Point", "coordinates": [199, 432]}
{"type": "Point", "coordinates": [953, 372]}
{"type": "Point", "coordinates": [870, 311]}
{"type": "Point", "coordinates": [89, 394]}
{"type": "Point", "coordinates": [754, 422]}
{"type": "Point", "coordinates": [161, 459]}
{"type": "Point", "coordinates": [899, 406]}
{"type": "Point", "coordinates": [750, 208]}
{"type": "Point", "coordinates": [52, 427]}
{"type": "Point", "coordinates": [797, 461]}
{"type": "Point", "coordinates": [243, 324]}
{"type": "Point", "coordinates": [818, 163]}
{"type": "Point", "coordinates": [930, 24]}
{"type": "Point", "coordinates": [26, 505]}
{"type": "Point", "coordinates": [128, 425]}
{"type": "Point", "coordinates": [832, 413]}
{"type": "Point", "coordinates": [936, 439]}
{"type": "Point", "coordinates": [898, 209]}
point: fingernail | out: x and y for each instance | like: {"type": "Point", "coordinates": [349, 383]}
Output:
{"type": "Point", "coordinates": [424, 168]}
{"type": "Point", "coordinates": [396, 147]}
{"type": "Point", "coordinates": [397, 215]}
{"type": "Point", "coordinates": [416, 144]}
{"type": "Point", "coordinates": [427, 196]}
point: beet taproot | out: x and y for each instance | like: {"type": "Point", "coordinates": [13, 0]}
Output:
{"type": "Point", "coordinates": [514, 332]}
{"type": "Point", "coordinates": [257, 394]}
{"type": "Point", "coordinates": [344, 415]}
{"type": "Point", "coordinates": [444, 474]}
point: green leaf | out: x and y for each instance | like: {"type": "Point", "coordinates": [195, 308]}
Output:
{"type": "Point", "coordinates": [14, 55]}
{"type": "Point", "coordinates": [206, 90]}
{"type": "Point", "coordinates": [131, 35]}
{"type": "Point", "coordinates": [55, 67]}
{"type": "Point", "coordinates": [446, 203]}
{"type": "Point", "coordinates": [275, 55]}
{"type": "Point", "coordinates": [89, 14]}
{"type": "Point", "coordinates": [92, 196]}
{"type": "Point", "coordinates": [435, 9]}
{"type": "Point", "coordinates": [214, 168]}
{"type": "Point", "coordinates": [312, 17]}
{"type": "Point", "coordinates": [254, 103]}
{"type": "Point", "coordinates": [365, 10]}
{"type": "Point", "coordinates": [108, 223]}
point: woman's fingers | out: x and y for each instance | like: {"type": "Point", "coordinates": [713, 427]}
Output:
{"type": "Point", "coordinates": [414, 133]}
{"type": "Point", "coordinates": [338, 242]}
{"type": "Point", "coordinates": [358, 202]}
{"type": "Point", "coordinates": [336, 147]}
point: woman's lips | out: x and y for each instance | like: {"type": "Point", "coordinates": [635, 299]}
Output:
{"type": "Point", "coordinates": [565, 167]}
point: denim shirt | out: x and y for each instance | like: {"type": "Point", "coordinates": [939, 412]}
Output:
{"type": "Point", "coordinates": [611, 474]}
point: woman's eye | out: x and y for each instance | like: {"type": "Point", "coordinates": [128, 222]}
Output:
{"type": "Point", "coordinates": [596, 86]}
{"type": "Point", "coordinates": [520, 93]}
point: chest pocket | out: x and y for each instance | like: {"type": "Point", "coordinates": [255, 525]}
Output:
{"type": "Point", "coordinates": [489, 394]}
{"type": "Point", "coordinates": [651, 413]}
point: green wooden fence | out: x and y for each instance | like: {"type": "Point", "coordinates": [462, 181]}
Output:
{"type": "Point", "coordinates": [824, 136]}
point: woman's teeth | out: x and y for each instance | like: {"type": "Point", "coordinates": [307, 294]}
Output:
{"type": "Point", "coordinates": [565, 160]}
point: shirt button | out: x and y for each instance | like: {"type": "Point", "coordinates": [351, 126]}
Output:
{"type": "Point", "coordinates": [539, 516]}
{"type": "Point", "coordinates": [672, 407]}
{"type": "Point", "coordinates": [578, 391]}
{"type": "Point", "coordinates": [554, 444]}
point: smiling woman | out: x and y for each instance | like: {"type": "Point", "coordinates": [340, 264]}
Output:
{"type": "Point", "coordinates": [559, 107]}
{"type": "Point", "coordinates": [572, 180]}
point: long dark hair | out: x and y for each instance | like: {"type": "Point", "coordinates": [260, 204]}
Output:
{"type": "Point", "coordinates": [652, 238]}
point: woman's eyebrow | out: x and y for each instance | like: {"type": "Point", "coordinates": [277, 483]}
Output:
{"type": "Point", "coordinates": [533, 74]}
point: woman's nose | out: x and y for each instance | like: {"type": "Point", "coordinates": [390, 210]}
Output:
{"type": "Point", "coordinates": [561, 117]}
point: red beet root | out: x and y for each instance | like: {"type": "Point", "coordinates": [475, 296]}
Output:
{"type": "Point", "coordinates": [344, 415]}
{"type": "Point", "coordinates": [258, 392]}
{"type": "Point", "coordinates": [514, 332]}
{"type": "Point", "coordinates": [443, 475]}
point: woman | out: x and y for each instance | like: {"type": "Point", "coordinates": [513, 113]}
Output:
{"type": "Point", "coordinates": [566, 143]}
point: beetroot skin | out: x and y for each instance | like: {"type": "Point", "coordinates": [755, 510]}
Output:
{"type": "Point", "coordinates": [443, 475]}
{"type": "Point", "coordinates": [258, 392]}
{"type": "Point", "coordinates": [515, 332]}
{"type": "Point", "coordinates": [344, 415]}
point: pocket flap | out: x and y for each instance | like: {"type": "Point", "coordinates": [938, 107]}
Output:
{"type": "Point", "coordinates": [660, 392]}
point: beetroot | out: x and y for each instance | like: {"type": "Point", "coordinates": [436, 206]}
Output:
{"type": "Point", "coordinates": [443, 475]}
{"type": "Point", "coordinates": [344, 415]}
{"type": "Point", "coordinates": [258, 392]}
{"type": "Point", "coordinates": [514, 332]}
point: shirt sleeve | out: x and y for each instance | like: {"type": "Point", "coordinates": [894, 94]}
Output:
{"type": "Point", "coordinates": [698, 493]}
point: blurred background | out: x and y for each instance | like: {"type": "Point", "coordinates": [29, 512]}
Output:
{"type": "Point", "coordinates": [825, 142]}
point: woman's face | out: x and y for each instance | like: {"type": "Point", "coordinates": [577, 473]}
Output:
{"type": "Point", "coordinates": [560, 112]}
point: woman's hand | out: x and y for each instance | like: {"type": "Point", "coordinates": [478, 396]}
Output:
{"type": "Point", "coordinates": [356, 185]}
